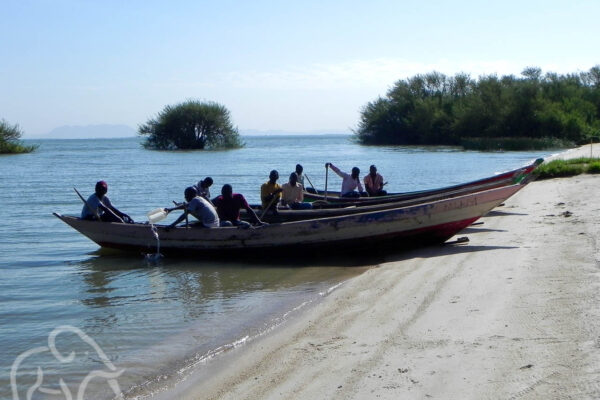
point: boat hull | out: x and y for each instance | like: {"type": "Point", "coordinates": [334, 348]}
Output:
{"type": "Point", "coordinates": [518, 175]}
{"type": "Point", "coordinates": [420, 224]}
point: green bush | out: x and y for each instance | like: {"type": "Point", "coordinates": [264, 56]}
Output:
{"type": "Point", "coordinates": [191, 125]}
{"type": "Point", "coordinates": [594, 168]}
{"type": "Point", "coordinates": [565, 168]}
{"type": "Point", "coordinates": [9, 139]}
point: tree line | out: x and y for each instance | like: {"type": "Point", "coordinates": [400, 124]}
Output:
{"type": "Point", "coordinates": [534, 111]}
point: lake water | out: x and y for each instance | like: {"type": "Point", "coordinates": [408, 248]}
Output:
{"type": "Point", "coordinates": [156, 321]}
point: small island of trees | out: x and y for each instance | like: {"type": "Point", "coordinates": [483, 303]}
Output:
{"type": "Point", "coordinates": [534, 111]}
{"type": "Point", "coordinates": [191, 125]}
{"type": "Point", "coordinates": [10, 136]}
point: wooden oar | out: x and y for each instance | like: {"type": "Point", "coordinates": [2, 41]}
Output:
{"type": "Point", "coordinates": [269, 206]}
{"type": "Point", "coordinates": [94, 211]}
{"type": "Point", "coordinates": [311, 185]}
{"type": "Point", "coordinates": [326, 175]}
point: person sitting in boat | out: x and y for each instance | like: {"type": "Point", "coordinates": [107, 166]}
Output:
{"type": "Point", "coordinates": [270, 192]}
{"type": "Point", "coordinates": [199, 207]}
{"type": "Point", "coordinates": [203, 187]}
{"type": "Point", "coordinates": [99, 205]}
{"type": "Point", "coordinates": [350, 182]}
{"type": "Point", "coordinates": [228, 206]}
{"type": "Point", "coordinates": [292, 194]}
{"type": "Point", "coordinates": [374, 182]}
{"type": "Point", "coordinates": [299, 170]}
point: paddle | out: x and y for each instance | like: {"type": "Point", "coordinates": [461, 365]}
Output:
{"type": "Point", "coordinates": [94, 211]}
{"type": "Point", "coordinates": [268, 207]}
{"type": "Point", "coordinates": [311, 185]}
{"type": "Point", "coordinates": [326, 176]}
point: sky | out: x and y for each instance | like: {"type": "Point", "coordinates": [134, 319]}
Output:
{"type": "Point", "coordinates": [305, 66]}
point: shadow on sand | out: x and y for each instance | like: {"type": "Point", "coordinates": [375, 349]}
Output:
{"type": "Point", "coordinates": [443, 250]}
{"type": "Point", "coordinates": [480, 230]}
{"type": "Point", "coordinates": [496, 213]}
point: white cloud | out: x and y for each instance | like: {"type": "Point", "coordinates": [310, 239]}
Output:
{"type": "Point", "coordinates": [378, 73]}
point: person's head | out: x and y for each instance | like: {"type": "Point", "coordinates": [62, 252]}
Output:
{"type": "Point", "coordinates": [372, 170]}
{"type": "Point", "coordinates": [101, 188]}
{"type": "Point", "coordinates": [299, 169]}
{"type": "Point", "coordinates": [190, 193]}
{"type": "Point", "coordinates": [355, 172]}
{"type": "Point", "coordinates": [273, 176]}
{"type": "Point", "coordinates": [293, 178]}
{"type": "Point", "coordinates": [206, 182]}
{"type": "Point", "coordinates": [227, 191]}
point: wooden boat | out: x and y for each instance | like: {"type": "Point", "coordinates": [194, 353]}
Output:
{"type": "Point", "coordinates": [338, 209]}
{"type": "Point", "coordinates": [425, 223]}
{"type": "Point", "coordinates": [503, 179]}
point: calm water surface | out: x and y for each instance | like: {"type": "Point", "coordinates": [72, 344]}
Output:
{"type": "Point", "coordinates": [159, 320]}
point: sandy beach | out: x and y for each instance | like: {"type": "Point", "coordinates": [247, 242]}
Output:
{"type": "Point", "coordinates": [512, 314]}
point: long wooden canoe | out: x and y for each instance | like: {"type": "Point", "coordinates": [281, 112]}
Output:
{"type": "Point", "coordinates": [338, 209]}
{"type": "Point", "coordinates": [502, 179]}
{"type": "Point", "coordinates": [420, 224]}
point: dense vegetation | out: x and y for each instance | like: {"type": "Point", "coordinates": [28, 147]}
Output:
{"type": "Point", "coordinates": [191, 125]}
{"type": "Point", "coordinates": [532, 111]}
{"type": "Point", "coordinates": [571, 167]}
{"type": "Point", "coordinates": [9, 139]}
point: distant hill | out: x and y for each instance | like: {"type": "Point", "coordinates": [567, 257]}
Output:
{"type": "Point", "coordinates": [106, 131]}
{"type": "Point", "coordinates": [103, 131]}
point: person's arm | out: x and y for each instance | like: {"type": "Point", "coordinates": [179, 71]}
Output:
{"type": "Point", "coordinates": [253, 217]}
{"type": "Point", "coordinates": [250, 211]}
{"type": "Point", "coordinates": [266, 196]}
{"type": "Point", "coordinates": [360, 187]}
{"type": "Point", "coordinates": [178, 220]}
{"type": "Point", "coordinates": [264, 193]}
{"type": "Point", "coordinates": [301, 197]}
{"type": "Point", "coordinates": [337, 170]}
{"type": "Point", "coordinates": [122, 215]}
{"type": "Point", "coordinates": [106, 206]}
{"type": "Point", "coordinates": [276, 193]}
{"type": "Point", "coordinates": [178, 207]}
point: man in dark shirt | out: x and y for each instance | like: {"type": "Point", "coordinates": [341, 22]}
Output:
{"type": "Point", "coordinates": [228, 206]}
{"type": "Point", "coordinates": [99, 205]}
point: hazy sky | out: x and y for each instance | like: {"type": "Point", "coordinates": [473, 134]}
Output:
{"type": "Point", "coordinates": [276, 65]}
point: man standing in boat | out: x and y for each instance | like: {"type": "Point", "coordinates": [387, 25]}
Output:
{"type": "Point", "coordinates": [99, 205]}
{"type": "Point", "coordinates": [350, 182]}
{"type": "Point", "coordinates": [374, 182]}
{"type": "Point", "coordinates": [199, 207]}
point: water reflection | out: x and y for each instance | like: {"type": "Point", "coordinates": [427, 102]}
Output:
{"type": "Point", "coordinates": [174, 311]}
{"type": "Point", "coordinates": [111, 280]}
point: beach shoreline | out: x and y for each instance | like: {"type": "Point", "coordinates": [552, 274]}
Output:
{"type": "Point", "coordinates": [512, 314]}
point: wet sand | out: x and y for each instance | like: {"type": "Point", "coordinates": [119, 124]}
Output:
{"type": "Point", "coordinates": [513, 314]}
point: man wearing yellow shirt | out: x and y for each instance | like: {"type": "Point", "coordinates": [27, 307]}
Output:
{"type": "Point", "coordinates": [270, 192]}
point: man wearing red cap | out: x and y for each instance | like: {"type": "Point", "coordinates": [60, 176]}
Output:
{"type": "Point", "coordinates": [99, 204]}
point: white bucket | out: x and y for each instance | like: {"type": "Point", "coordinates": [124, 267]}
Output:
{"type": "Point", "coordinates": [157, 215]}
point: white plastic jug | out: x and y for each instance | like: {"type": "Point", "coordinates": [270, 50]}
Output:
{"type": "Point", "coordinates": [157, 215]}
